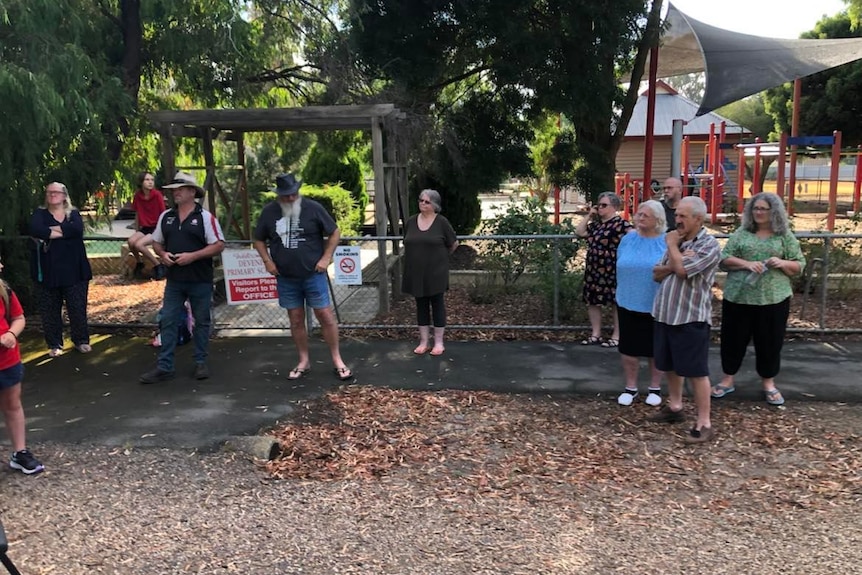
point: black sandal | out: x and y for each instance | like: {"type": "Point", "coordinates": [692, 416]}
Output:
{"type": "Point", "coordinates": [592, 340]}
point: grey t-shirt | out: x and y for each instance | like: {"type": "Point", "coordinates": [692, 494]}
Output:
{"type": "Point", "coordinates": [295, 246]}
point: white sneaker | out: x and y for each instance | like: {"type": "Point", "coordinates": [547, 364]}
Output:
{"type": "Point", "coordinates": [627, 397]}
{"type": "Point", "coordinates": [653, 399]}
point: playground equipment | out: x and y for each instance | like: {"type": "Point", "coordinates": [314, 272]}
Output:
{"type": "Point", "coordinates": [707, 181]}
{"type": "Point", "coordinates": [716, 175]}
{"type": "Point", "coordinates": [827, 144]}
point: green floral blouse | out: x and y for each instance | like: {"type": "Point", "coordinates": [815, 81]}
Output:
{"type": "Point", "coordinates": [774, 285]}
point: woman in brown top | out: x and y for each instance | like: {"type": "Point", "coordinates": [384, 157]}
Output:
{"type": "Point", "coordinates": [428, 241]}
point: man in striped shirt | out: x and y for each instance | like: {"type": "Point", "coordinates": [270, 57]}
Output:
{"type": "Point", "coordinates": [683, 312]}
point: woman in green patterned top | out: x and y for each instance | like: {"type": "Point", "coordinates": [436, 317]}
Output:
{"type": "Point", "coordinates": [760, 258]}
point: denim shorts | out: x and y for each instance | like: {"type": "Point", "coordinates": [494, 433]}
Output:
{"type": "Point", "coordinates": [11, 376]}
{"type": "Point", "coordinates": [294, 293]}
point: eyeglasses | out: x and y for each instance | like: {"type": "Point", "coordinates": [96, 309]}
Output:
{"type": "Point", "coordinates": [424, 201]}
{"type": "Point", "coordinates": [760, 209]}
{"type": "Point", "coordinates": [603, 205]}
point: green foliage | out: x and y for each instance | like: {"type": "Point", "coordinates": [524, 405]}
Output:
{"type": "Point", "coordinates": [335, 160]}
{"type": "Point", "coordinates": [555, 56]}
{"type": "Point", "coordinates": [510, 259]}
{"type": "Point", "coordinates": [831, 99]}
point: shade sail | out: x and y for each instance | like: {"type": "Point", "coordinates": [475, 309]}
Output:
{"type": "Point", "coordinates": [739, 65]}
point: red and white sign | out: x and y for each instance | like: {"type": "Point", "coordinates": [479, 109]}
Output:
{"type": "Point", "coordinates": [348, 268]}
{"type": "Point", "coordinates": [246, 279]}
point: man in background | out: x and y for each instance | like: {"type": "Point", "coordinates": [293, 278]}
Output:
{"type": "Point", "coordinates": [672, 190]}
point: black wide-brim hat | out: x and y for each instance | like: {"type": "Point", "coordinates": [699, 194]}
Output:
{"type": "Point", "coordinates": [287, 185]}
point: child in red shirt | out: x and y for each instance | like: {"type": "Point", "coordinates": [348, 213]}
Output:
{"type": "Point", "coordinates": [11, 373]}
{"type": "Point", "coordinates": [148, 204]}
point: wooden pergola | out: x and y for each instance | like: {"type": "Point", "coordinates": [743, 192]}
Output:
{"type": "Point", "coordinates": [388, 157]}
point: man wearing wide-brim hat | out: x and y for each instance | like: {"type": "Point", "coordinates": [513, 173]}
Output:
{"type": "Point", "coordinates": [296, 238]}
{"type": "Point", "coordinates": [186, 239]}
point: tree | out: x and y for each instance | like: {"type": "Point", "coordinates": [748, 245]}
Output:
{"type": "Point", "coordinates": [831, 100]}
{"type": "Point", "coordinates": [751, 113]}
{"type": "Point", "coordinates": [560, 56]}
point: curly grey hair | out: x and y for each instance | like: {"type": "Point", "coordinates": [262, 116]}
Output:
{"type": "Point", "coordinates": [777, 214]}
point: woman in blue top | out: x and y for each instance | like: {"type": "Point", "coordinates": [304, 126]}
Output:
{"type": "Point", "coordinates": [638, 252]}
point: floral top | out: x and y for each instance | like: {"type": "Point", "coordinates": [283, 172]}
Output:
{"type": "Point", "coordinates": [600, 273]}
{"type": "Point", "coordinates": [774, 285]}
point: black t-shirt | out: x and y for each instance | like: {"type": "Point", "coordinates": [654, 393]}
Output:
{"type": "Point", "coordinates": [670, 214]}
{"type": "Point", "coordinates": [295, 246]}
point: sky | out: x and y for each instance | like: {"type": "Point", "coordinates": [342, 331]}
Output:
{"type": "Point", "coordinates": [771, 18]}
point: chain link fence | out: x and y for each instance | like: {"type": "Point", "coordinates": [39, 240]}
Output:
{"type": "Point", "coordinates": [537, 274]}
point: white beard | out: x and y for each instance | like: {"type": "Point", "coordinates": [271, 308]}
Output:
{"type": "Point", "coordinates": [291, 210]}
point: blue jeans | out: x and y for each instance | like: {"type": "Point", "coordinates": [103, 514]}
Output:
{"type": "Point", "coordinates": [200, 296]}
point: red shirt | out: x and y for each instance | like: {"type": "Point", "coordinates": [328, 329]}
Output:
{"type": "Point", "coordinates": [148, 210]}
{"type": "Point", "coordinates": [9, 357]}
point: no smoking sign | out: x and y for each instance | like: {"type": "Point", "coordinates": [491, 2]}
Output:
{"type": "Point", "coordinates": [348, 268]}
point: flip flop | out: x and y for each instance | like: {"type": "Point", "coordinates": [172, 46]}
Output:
{"type": "Point", "coordinates": [774, 397]}
{"type": "Point", "coordinates": [298, 373]}
{"type": "Point", "coordinates": [84, 348]}
{"type": "Point", "coordinates": [422, 350]}
{"type": "Point", "coordinates": [592, 340]}
{"type": "Point", "coordinates": [438, 351]}
{"type": "Point", "coordinates": [611, 342]}
{"type": "Point", "coordinates": [343, 373]}
{"type": "Point", "coordinates": [55, 352]}
{"type": "Point", "coordinates": [720, 391]}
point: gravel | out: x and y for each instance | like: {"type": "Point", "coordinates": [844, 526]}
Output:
{"type": "Point", "coordinates": [554, 486]}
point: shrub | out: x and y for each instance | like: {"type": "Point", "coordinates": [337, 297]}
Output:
{"type": "Point", "coordinates": [511, 258]}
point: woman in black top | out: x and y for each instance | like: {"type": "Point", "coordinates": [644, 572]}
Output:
{"type": "Point", "coordinates": [428, 241]}
{"type": "Point", "coordinates": [60, 269]}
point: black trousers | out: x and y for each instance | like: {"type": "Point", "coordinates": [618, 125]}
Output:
{"type": "Point", "coordinates": [51, 302]}
{"type": "Point", "coordinates": [765, 324]}
{"type": "Point", "coordinates": [428, 306]}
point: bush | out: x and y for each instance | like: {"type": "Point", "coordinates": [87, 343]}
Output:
{"type": "Point", "coordinates": [511, 258]}
{"type": "Point", "coordinates": [326, 166]}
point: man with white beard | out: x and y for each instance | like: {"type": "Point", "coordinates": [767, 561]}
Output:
{"type": "Point", "coordinates": [296, 238]}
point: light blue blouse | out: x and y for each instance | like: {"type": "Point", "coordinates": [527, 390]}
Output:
{"type": "Point", "coordinates": [636, 257]}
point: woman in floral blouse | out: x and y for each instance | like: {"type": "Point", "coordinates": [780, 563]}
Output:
{"type": "Point", "coordinates": [760, 258]}
{"type": "Point", "coordinates": [603, 229]}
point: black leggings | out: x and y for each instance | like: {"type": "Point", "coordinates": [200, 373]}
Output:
{"type": "Point", "coordinates": [765, 324]}
{"type": "Point", "coordinates": [431, 305]}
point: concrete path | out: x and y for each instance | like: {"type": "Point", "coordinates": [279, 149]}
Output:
{"type": "Point", "coordinates": [96, 398]}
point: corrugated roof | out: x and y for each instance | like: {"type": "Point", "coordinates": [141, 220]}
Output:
{"type": "Point", "coordinates": [670, 106]}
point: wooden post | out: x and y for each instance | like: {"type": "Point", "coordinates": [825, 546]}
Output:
{"type": "Point", "coordinates": [380, 211]}
{"type": "Point", "coordinates": [243, 184]}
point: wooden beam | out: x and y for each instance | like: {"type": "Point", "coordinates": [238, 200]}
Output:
{"type": "Point", "coordinates": [380, 212]}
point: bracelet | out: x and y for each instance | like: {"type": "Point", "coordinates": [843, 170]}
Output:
{"type": "Point", "coordinates": [13, 334]}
